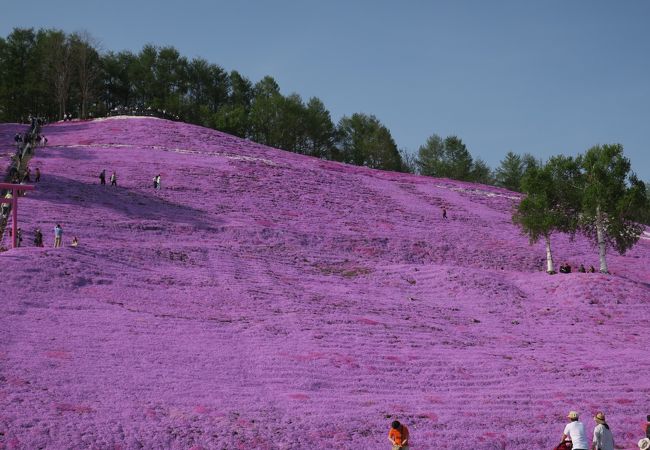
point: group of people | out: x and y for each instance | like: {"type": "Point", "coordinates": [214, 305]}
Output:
{"type": "Point", "coordinates": [58, 237]}
{"type": "Point", "coordinates": [102, 178]}
{"type": "Point", "coordinates": [566, 268]}
{"type": "Point", "coordinates": [141, 111]}
{"type": "Point", "coordinates": [603, 439]}
{"type": "Point", "coordinates": [38, 237]}
{"type": "Point", "coordinates": [28, 138]}
{"type": "Point", "coordinates": [26, 178]}
{"type": "Point", "coordinates": [574, 436]}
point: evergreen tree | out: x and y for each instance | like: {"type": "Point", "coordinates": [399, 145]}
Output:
{"type": "Point", "coordinates": [234, 118]}
{"type": "Point", "coordinates": [450, 158]}
{"type": "Point", "coordinates": [118, 84]}
{"type": "Point", "coordinates": [613, 200]}
{"type": "Point", "coordinates": [481, 172]}
{"type": "Point", "coordinates": [364, 141]}
{"type": "Point", "coordinates": [508, 175]}
{"type": "Point", "coordinates": [264, 114]}
{"type": "Point", "coordinates": [512, 168]}
{"type": "Point", "coordinates": [320, 132]}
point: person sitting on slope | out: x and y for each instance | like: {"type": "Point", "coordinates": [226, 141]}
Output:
{"type": "Point", "coordinates": [575, 431]}
{"type": "Point", "coordinates": [398, 435]}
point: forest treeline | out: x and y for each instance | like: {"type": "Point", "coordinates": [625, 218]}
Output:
{"type": "Point", "coordinates": [49, 73]}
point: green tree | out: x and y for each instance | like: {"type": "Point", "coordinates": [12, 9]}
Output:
{"type": "Point", "coordinates": [551, 203]}
{"type": "Point", "coordinates": [171, 80]}
{"type": "Point", "coordinates": [613, 201]}
{"type": "Point", "coordinates": [117, 81]}
{"type": "Point", "coordinates": [234, 117]}
{"type": "Point", "coordinates": [448, 158]}
{"type": "Point", "coordinates": [143, 75]}
{"type": "Point", "coordinates": [207, 90]}
{"type": "Point", "coordinates": [512, 168]}
{"type": "Point", "coordinates": [320, 132]}
{"type": "Point", "coordinates": [19, 58]}
{"type": "Point", "coordinates": [481, 172]}
{"type": "Point", "coordinates": [86, 69]}
{"type": "Point", "coordinates": [430, 155]}
{"type": "Point", "coordinates": [364, 141]}
{"type": "Point", "coordinates": [510, 172]}
{"type": "Point", "coordinates": [645, 214]}
{"type": "Point", "coordinates": [265, 112]}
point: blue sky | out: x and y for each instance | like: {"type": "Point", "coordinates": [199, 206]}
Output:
{"type": "Point", "coordinates": [544, 77]}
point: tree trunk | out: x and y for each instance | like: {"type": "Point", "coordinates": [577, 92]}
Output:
{"type": "Point", "coordinates": [600, 233]}
{"type": "Point", "coordinates": [549, 255]}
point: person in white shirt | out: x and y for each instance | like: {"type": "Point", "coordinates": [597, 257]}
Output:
{"type": "Point", "coordinates": [603, 439]}
{"type": "Point", "coordinates": [575, 430]}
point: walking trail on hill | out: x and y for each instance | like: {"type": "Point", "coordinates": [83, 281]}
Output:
{"type": "Point", "coordinates": [267, 300]}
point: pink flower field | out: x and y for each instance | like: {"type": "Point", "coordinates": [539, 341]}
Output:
{"type": "Point", "coordinates": [267, 300]}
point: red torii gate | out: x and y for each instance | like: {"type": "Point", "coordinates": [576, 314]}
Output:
{"type": "Point", "coordinates": [15, 190]}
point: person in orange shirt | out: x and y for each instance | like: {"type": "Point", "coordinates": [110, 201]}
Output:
{"type": "Point", "coordinates": [399, 436]}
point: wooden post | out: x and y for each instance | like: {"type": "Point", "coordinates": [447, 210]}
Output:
{"type": "Point", "coordinates": [14, 219]}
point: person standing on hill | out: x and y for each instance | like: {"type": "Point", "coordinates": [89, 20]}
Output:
{"type": "Point", "coordinates": [114, 179]}
{"type": "Point", "coordinates": [444, 213]}
{"type": "Point", "coordinates": [603, 439]}
{"type": "Point", "coordinates": [38, 238]}
{"type": "Point", "coordinates": [102, 177]}
{"type": "Point", "coordinates": [58, 235]}
{"type": "Point", "coordinates": [575, 431]}
{"type": "Point", "coordinates": [398, 435]}
{"type": "Point", "coordinates": [157, 182]}
{"type": "Point", "coordinates": [37, 175]}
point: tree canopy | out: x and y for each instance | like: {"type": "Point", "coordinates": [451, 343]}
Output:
{"type": "Point", "coordinates": [613, 201]}
{"type": "Point", "coordinates": [450, 158]}
{"type": "Point", "coordinates": [551, 203]}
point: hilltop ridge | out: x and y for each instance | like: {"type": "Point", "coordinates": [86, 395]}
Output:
{"type": "Point", "coordinates": [264, 299]}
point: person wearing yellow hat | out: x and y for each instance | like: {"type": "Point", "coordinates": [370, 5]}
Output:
{"type": "Point", "coordinates": [603, 439]}
{"type": "Point", "coordinates": [575, 431]}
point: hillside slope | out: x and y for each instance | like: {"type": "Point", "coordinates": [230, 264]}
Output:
{"type": "Point", "coordinates": [263, 299]}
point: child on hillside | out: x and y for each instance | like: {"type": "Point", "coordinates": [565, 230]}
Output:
{"type": "Point", "coordinates": [398, 435]}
